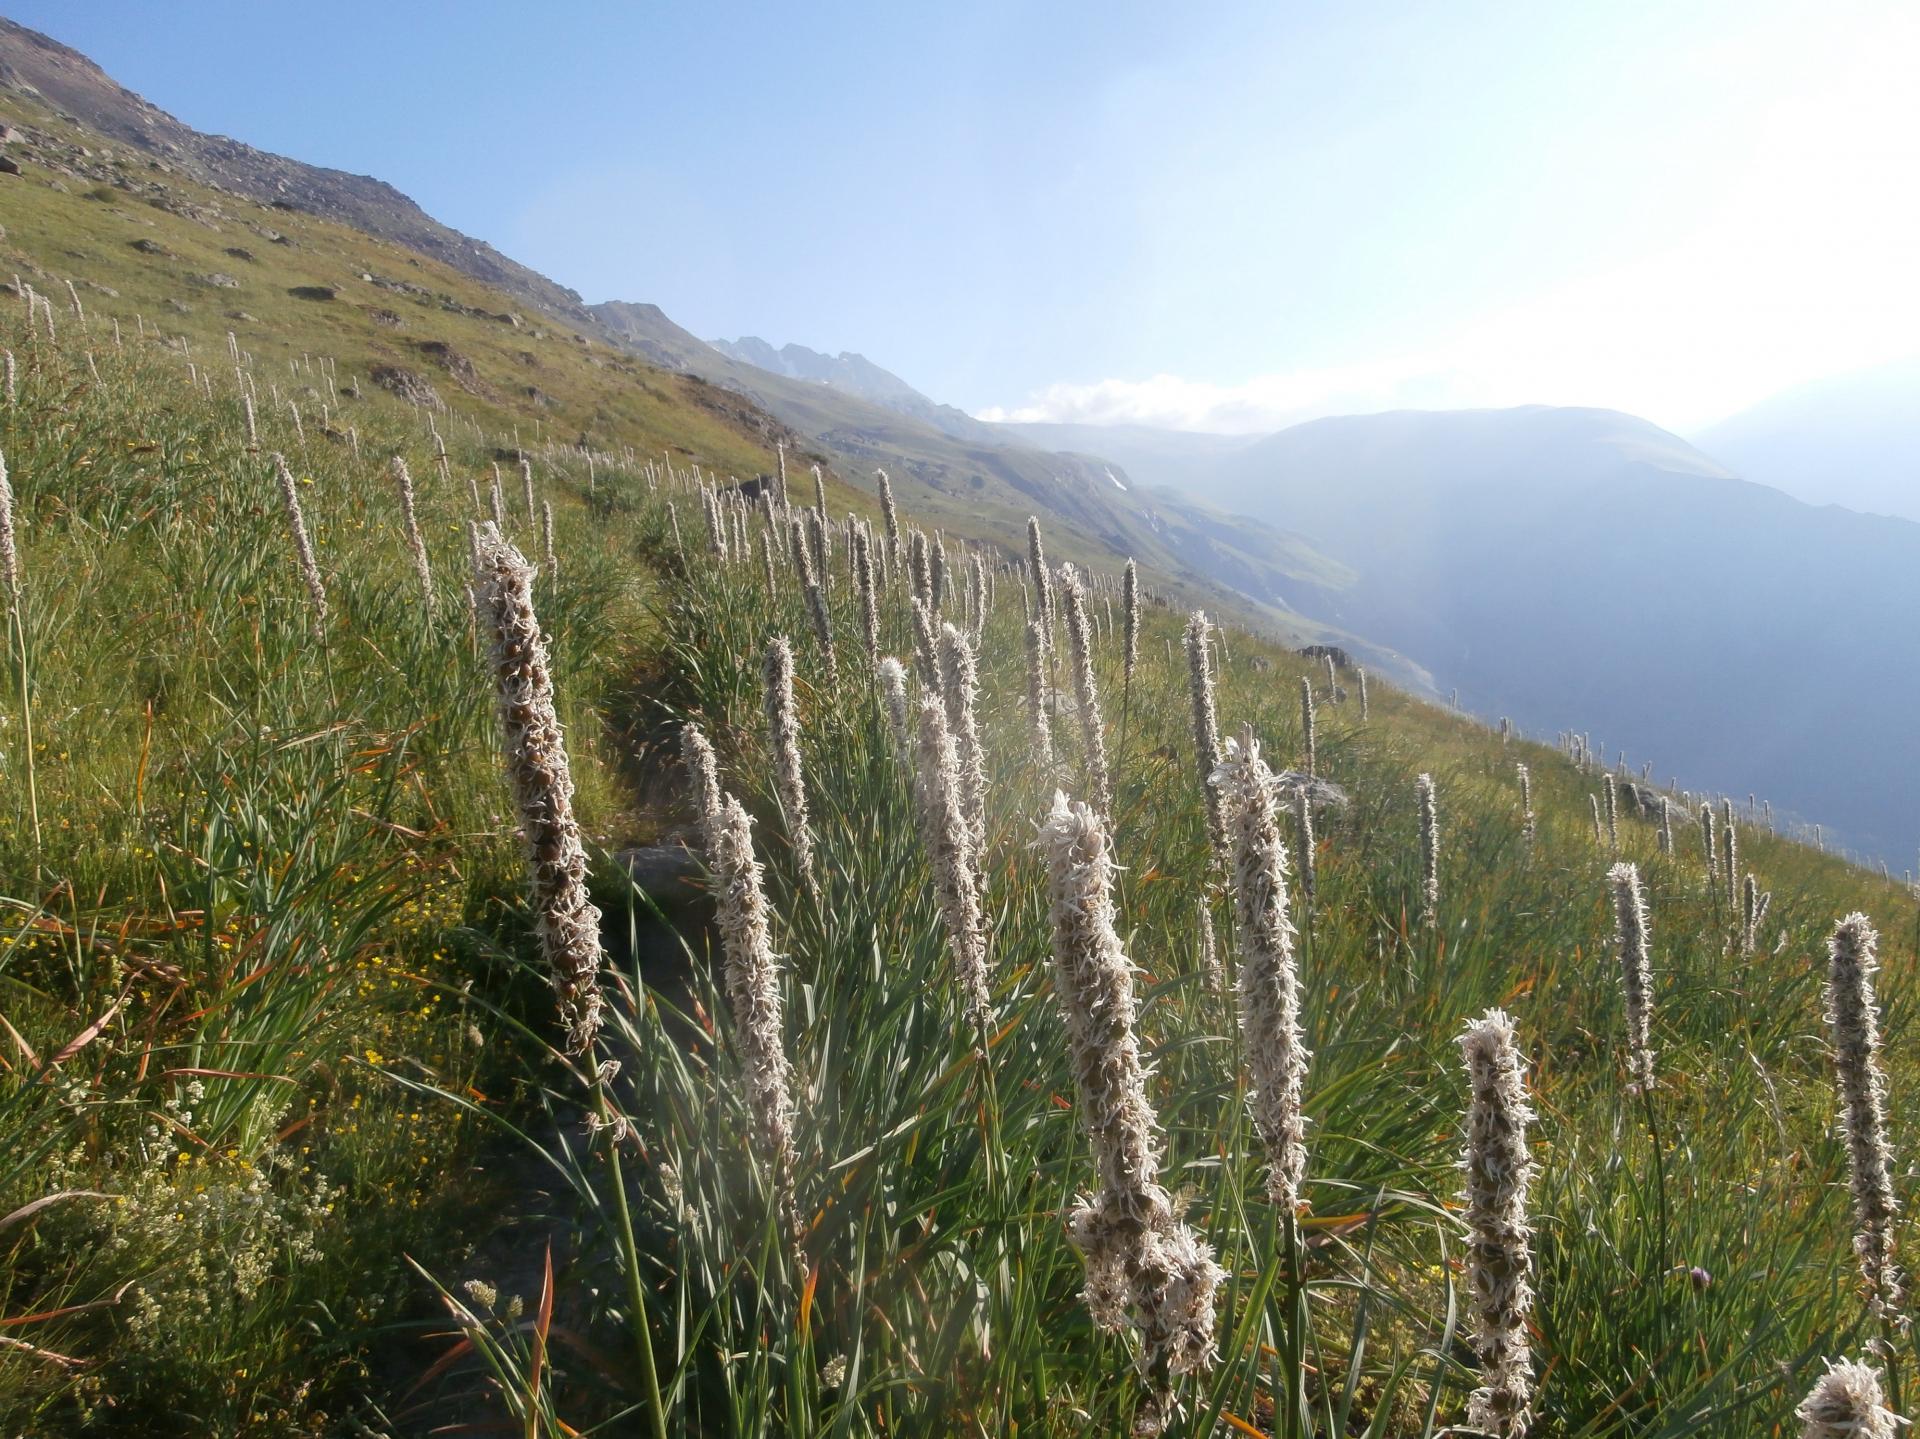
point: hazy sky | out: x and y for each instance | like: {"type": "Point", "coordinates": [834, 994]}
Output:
{"type": "Point", "coordinates": [1220, 216]}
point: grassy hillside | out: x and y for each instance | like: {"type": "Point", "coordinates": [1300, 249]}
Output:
{"type": "Point", "coordinates": [137, 241]}
{"type": "Point", "coordinates": [276, 1023]}
{"type": "Point", "coordinates": [141, 236]}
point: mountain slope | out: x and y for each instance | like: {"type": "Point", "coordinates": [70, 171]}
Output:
{"type": "Point", "coordinates": [1583, 568]}
{"type": "Point", "coordinates": [858, 376]}
{"type": "Point", "coordinates": [1852, 440]}
{"type": "Point", "coordinates": [167, 254]}
{"type": "Point", "coordinates": [71, 85]}
{"type": "Point", "coordinates": [1184, 459]}
{"type": "Point", "coordinates": [85, 132]}
{"type": "Point", "coordinates": [1091, 510]}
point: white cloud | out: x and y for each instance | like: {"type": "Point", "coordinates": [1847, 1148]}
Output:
{"type": "Point", "coordinates": [1800, 266]}
{"type": "Point", "coordinates": [1266, 402]}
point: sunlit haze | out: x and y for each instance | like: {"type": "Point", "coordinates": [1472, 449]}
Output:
{"type": "Point", "coordinates": [1226, 217]}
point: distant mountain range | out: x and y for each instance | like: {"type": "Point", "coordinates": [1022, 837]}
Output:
{"type": "Point", "coordinates": [1575, 568]}
{"type": "Point", "coordinates": [1585, 569]}
{"type": "Point", "coordinates": [1851, 440]}
{"type": "Point", "coordinates": [858, 376]}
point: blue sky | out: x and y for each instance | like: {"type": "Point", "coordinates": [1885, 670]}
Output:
{"type": "Point", "coordinates": [1220, 216]}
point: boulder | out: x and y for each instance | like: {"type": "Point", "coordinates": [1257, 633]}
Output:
{"type": "Point", "coordinates": [150, 247]}
{"type": "Point", "coordinates": [667, 873]}
{"type": "Point", "coordinates": [407, 385]}
{"type": "Point", "coordinates": [219, 281]}
{"type": "Point", "coordinates": [1341, 659]}
{"type": "Point", "coordinates": [9, 166]}
{"type": "Point", "coordinates": [1321, 793]}
{"type": "Point", "coordinates": [240, 252]}
{"type": "Point", "coordinates": [312, 292]}
{"type": "Point", "coordinates": [1644, 799]}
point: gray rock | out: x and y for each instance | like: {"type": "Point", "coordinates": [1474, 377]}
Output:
{"type": "Point", "coordinates": [1341, 659]}
{"type": "Point", "coordinates": [220, 281]}
{"type": "Point", "coordinates": [1321, 793]}
{"type": "Point", "coordinates": [1644, 799]}
{"type": "Point", "coordinates": [150, 247]}
{"type": "Point", "coordinates": [668, 873]}
{"type": "Point", "coordinates": [408, 385]}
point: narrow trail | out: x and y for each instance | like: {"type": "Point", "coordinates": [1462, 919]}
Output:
{"type": "Point", "coordinates": [430, 1377]}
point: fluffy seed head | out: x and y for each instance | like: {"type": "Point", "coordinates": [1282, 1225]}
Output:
{"type": "Point", "coordinates": [1846, 1403]}
{"type": "Point", "coordinates": [302, 546]}
{"type": "Point", "coordinates": [960, 688]}
{"type": "Point", "coordinates": [9, 544]}
{"type": "Point", "coordinates": [892, 677]}
{"type": "Point", "coordinates": [703, 777]}
{"type": "Point", "coordinates": [1143, 1266]}
{"type": "Point", "coordinates": [542, 783]}
{"type": "Point", "coordinates": [1429, 853]}
{"type": "Point", "coordinates": [410, 531]}
{"type": "Point", "coordinates": [890, 515]}
{"type": "Point", "coordinates": [1086, 690]}
{"type": "Point", "coordinates": [1269, 984]}
{"type": "Point", "coordinates": [783, 730]}
{"type": "Point", "coordinates": [753, 994]}
{"type": "Point", "coordinates": [863, 583]}
{"type": "Point", "coordinates": [1853, 1025]}
{"type": "Point", "coordinates": [1499, 1256]}
{"type": "Point", "coordinates": [1037, 694]}
{"type": "Point", "coordinates": [1042, 578]}
{"type": "Point", "coordinates": [1307, 736]}
{"type": "Point", "coordinates": [1206, 723]}
{"type": "Point", "coordinates": [946, 829]}
{"type": "Point", "coordinates": [1632, 943]}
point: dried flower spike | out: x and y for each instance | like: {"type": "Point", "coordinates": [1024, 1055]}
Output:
{"type": "Point", "coordinates": [945, 828]}
{"type": "Point", "coordinates": [1143, 1266]}
{"type": "Point", "coordinates": [1206, 723]}
{"type": "Point", "coordinates": [1632, 944]}
{"type": "Point", "coordinates": [542, 782]}
{"type": "Point", "coordinates": [783, 730]}
{"type": "Point", "coordinates": [410, 530]}
{"type": "Point", "coordinates": [753, 993]}
{"type": "Point", "coordinates": [1037, 694]}
{"type": "Point", "coordinates": [1269, 984]}
{"type": "Point", "coordinates": [1429, 853]}
{"type": "Point", "coordinates": [1086, 691]}
{"type": "Point", "coordinates": [1846, 1403]}
{"type": "Point", "coordinates": [960, 687]}
{"type": "Point", "coordinates": [302, 545]}
{"type": "Point", "coordinates": [1499, 1256]}
{"type": "Point", "coordinates": [1853, 1024]}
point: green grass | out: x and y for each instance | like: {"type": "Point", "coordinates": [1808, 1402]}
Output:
{"type": "Point", "coordinates": [272, 1003]}
{"type": "Point", "coordinates": [944, 1296]}
{"type": "Point", "coordinates": [270, 872]}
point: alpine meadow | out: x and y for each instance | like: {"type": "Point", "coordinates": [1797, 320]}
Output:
{"type": "Point", "coordinates": [542, 894]}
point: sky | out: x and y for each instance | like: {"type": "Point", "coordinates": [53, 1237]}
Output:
{"type": "Point", "coordinates": [1228, 216]}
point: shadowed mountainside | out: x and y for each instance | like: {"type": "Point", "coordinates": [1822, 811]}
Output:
{"type": "Point", "coordinates": [1584, 568]}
